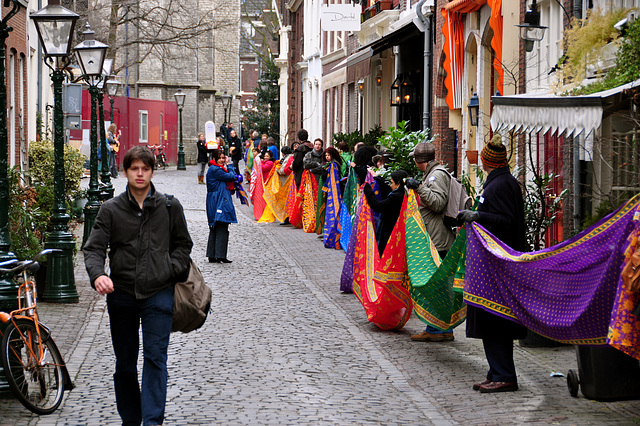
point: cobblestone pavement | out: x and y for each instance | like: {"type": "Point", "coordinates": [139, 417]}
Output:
{"type": "Point", "coordinates": [284, 347]}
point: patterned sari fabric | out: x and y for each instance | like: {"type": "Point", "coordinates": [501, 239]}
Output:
{"type": "Point", "coordinates": [321, 205]}
{"type": "Point", "coordinates": [331, 234]}
{"type": "Point", "coordinates": [309, 191]}
{"type": "Point", "coordinates": [275, 194]}
{"type": "Point", "coordinates": [381, 283]}
{"type": "Point", "coordinates": [348, 209]}
{"type": "Point", "coordinates": [294, 205]}
{"type": "Point", "coordinates": [432, 293]}
{"type": "Point", "coordinates": [256, 190]}
{"type": "Point", "coordinates": [571, 292]}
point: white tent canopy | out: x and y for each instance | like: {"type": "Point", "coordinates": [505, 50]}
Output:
{"type": "Point", "coordinates": [571, 115]}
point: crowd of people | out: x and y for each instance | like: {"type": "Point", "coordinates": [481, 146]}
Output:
{"type": "Point", "coordinates": [312, 186]}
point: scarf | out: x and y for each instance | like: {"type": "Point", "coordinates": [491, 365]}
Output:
{"type": "Point", "coordinates": [230, 185]}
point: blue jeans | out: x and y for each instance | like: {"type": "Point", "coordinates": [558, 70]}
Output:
{"type": "Point", "coordinates": [125, 315]}
{"type": "Point", "coordinates": [431, 329]}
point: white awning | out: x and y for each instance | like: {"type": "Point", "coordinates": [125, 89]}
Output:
{"type": "Point", "coordinates": [570, 115]}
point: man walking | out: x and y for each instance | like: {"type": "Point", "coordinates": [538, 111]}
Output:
{"type": "Point", "coordinates": [434, 193]}
{"type": "Point", "coordinates": [148, 243]}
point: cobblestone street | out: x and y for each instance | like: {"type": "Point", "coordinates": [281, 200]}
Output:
{"type": "Point", "coordinates": [283, 346]}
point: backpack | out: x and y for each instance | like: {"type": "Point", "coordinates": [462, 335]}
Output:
{"type": "Point", "coordinates": [191, 298]}
{"type": "Point", "coordinates": [457, 200]}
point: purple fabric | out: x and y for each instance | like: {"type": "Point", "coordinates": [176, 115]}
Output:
{"type": "Point", "coordinates": [346, 278]}
{"type": "Point", "coordinates": [565, 292]}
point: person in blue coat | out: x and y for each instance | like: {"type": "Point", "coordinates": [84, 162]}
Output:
{"type": "Point", "coordinates": [220, 210]}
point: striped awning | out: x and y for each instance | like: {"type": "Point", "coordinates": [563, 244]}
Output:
{"type": "Point", "coordinates": [568, 115]}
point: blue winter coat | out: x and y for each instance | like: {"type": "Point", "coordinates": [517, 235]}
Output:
{"type": "Point", "coordinates": [219, 202]}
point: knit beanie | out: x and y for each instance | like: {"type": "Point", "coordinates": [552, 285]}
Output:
{"type": "Point", "coordinates": [494, 154]}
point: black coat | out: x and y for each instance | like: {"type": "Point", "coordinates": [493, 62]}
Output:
{"type": "Point", "coordinates": [389, 209]}
{"type": "Point", "coordinates": [149, 248]}
{"type": "Point", "coordinates": [202, 152]}
{"type": "Point", "coordinates": [238, 151]}
{"type": "Point", "coordinates": [501, 211]}
{"type": "Point", "coordinates": [298, 162]}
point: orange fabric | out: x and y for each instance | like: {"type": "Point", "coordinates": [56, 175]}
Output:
{"type": "Point", "coordinates": [453, 47]}
{"type": "Point", "coordinates": [495, 22]}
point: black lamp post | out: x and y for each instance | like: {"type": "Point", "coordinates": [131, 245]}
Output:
{"type": "Point", "coordinates": [226, 104]}
{"type": "Point", "coordinates": [180, 96]}
{"type": "Point", "coordinates": [90, 55]}
{"type": "Point", "coordinates": [55, 25]}
{"type": "Point", "coordinates": [112, 90]}
{"type": "Point", "coordinates": [474, 109]}
{"type": "Point", "coordinates": [8, 290]}
{"type": "Point", "coordinates": [106, 188]}
{"type": "Point", "coordinates": [531, 30]}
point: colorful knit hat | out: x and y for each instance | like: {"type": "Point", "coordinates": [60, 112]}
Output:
{"type": "Point", "coordinates": [494, 154]}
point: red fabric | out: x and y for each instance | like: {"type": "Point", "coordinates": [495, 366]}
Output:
{"type": "Point", "coordinates": [230, 185]}
{"type": "Point", "coordinates": [287, 166]}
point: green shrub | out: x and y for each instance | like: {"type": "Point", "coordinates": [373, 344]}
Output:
{"type": "Point", "coordinates": [399, 143]}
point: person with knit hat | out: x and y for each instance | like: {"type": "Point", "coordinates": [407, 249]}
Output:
{"type": "Point", "coordinates": [433, 192]}
{"type": "Point", "coordinates": [501, 212]}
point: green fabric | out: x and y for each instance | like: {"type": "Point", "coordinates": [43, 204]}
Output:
{"type": "Point", "coordinates": [435, 301]}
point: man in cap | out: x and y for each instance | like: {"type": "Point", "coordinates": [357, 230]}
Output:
{"type": "Point", "coordinates": [501, 212]}
{"type": "Point", "coordinates": [434, 193]}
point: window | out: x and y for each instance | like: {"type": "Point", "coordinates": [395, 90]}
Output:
{"type": "Point", "coordinates": [143, 130]}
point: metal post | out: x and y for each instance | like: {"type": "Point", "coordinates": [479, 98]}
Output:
{"type": "Point", "coordinates": [93, 202]}
{"type": "Point", "coordinates": [107, 187]}
{"type": "Point", "coordinates": [181, 164]}
{"type": "Point", "coordinates": [8, 289]}
{"type": "Point", "coordinates": [111, 103]}
{"type": "Point", "coordinates": [61, 286]}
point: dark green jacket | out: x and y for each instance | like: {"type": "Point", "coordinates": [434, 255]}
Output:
{"type": "Point", "coordinates": [140, 257]}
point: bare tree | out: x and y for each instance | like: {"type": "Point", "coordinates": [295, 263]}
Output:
{"type": "Point", "coordinates": [166, 29]}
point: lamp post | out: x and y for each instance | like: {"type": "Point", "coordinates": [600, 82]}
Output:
{"type": "Point", "coordinates": [474, 109]}
{"type": "Point", "coordinates": [8, 289]}
{"type": "Point", "coordinates": [106, 189]}
{"type": "Point", "coordinates": [54, 25]}
{"type": "Point", "coordinates": [90, 55]}
{"type": "Point", "coordinates": [226, 103]}
{"type": "Point", "coordinates": [531, 30]}
{"type": "Point", "coordinates": [112, 90]}
{"type": "Point", "coordinates": [180, 96]}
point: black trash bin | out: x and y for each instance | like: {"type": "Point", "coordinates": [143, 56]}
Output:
{"type": "Point", "coordinates": [606, 374]}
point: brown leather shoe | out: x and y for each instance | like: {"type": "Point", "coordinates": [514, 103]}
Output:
{"type": "Point", "coordinates": [476, 386]}
{"type": "Point", "coordinates": [425, 336]}
{"type": "Point", "coordinates": [499, 387]}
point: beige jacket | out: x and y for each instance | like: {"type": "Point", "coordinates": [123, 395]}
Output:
{"type": "Point", "coordinates": [433, 193]}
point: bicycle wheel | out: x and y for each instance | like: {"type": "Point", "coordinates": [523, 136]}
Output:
{"type": "Point", "coordinates": [38, 384]}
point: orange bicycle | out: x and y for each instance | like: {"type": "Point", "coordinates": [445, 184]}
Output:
{"type": "Point", "coordinates": [32, 363]}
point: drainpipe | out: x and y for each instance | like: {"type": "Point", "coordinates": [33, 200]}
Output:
{"type": "Point", "coordinates": [577, 13]}
{"type": "Point", "coordinates": [426, 97]}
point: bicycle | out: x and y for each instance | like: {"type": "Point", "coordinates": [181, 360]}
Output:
{"type": "Point", "coordinates": [159, 155]}
{"type": "Point", "coordinates": [33, 365]}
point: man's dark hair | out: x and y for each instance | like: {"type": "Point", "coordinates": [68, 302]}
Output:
{"type": "Point", "coordinates": [398, 177]}
{"type": "Point", "coordinates": [141, 153]}
{"type": "Point", "coordinates": [343, 146]}
{"type": "Point", "coordinates": [303, 135]}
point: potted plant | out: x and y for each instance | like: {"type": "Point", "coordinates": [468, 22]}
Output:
{"type": "Point", "coordinates": [472, 156]}
{"type": "Point", "coordinates": [383, 5]}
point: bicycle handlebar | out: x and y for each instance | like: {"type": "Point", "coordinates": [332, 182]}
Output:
{"type": "Point", "coordinates": [21, 265]}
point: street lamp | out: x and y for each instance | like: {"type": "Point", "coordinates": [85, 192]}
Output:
{"type": "Point", "coordinates": [112, 90]}
{"type": "Point", "coordinates": [531, 30]}
{"type": "Point", "coordinates": [8, 290]}
{"type": "Point", "coordinates": [180, 96]}
{"type": "Point", "coordinates": [226, 104]}
{"type": "Point", "coordinates": [54, 25]}
{"type": "Point", "coordinates": [106, 188]}
{"type": "Point", "coordinates": [90, 55]}
{"type": "Point", "coordinates": [474, 109]}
